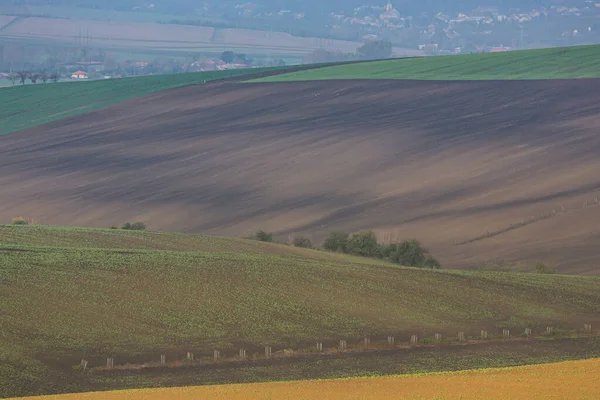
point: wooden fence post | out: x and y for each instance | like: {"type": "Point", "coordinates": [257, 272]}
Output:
{"type": "Point", "coordinates": [216, 355]}
{"type": "Point", "coordinates": [414, 339]}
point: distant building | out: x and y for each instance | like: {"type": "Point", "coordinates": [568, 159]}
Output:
{"type": "Point", "coordinates": [79, 75]}
{"type": "Point", "coordinates": [500, 49]}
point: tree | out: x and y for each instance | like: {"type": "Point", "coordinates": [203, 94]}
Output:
{"type": "Point", "coordinates": [136, 226]}
{"type": "Point", "coordinates": [228, 56]}
{"type": "Point", "coordinates": [375, 49]}
{"type": "Point", "coordinates": [19, 221]}
{"type": "Point", "coordinates": [44, 76]}
{"type": "Point", "coordinates": [301, 241]}
{"type": "Point", "coordinates": [54, 77]}
{"type": "Point", "coordinates": [33, 77]}
{"type": "Point", "coordinates": [363, 244]}
{"type": "Point", "coordinates": [411, 253]}
{"type": "Point", "coordinates": [263, 236]}
{"type": "Point", "coordinates": [336, 241]}
{"type": "Point", "coordinates": [22, 76]}
{"type": "Point", "coordinates": [239, 58]}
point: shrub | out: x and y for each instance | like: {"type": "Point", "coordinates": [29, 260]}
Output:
{"type": "Point", "coordinates": [543, 268]}
{"type": "Point", "coordinates": [432, 262]}
{"type": "Point", "coordinates": [336, 241]}
{"type": "Point", "coordinates": [19, 221]}
{"type": "Point", "coordinates": [263, 236]}
{"type": "Point", "coordinates": [136, 226]}
{"type": "Point", "coordinates": [303, 242]}
{"type": "Point", "coordinates": [364, 244]}
{"type": "Point", "coordinates": [411, 253]}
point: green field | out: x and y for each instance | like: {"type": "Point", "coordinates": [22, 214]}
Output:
{"type": "Point", "coordinates": [31, 105]}
{"type": "Point", "coordinates": [69, 293]}
{"type": "Point", "coordinates": [553, 63]}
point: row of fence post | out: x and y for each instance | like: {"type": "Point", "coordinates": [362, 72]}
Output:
{"type": "Point", "coordinates": [414, 340]}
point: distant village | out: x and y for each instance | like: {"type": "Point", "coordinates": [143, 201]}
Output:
{"type": "Point", "coordinates": [484, 29]}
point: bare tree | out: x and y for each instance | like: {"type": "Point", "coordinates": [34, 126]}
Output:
{"type": "Point", "coordinates": [44, 76]}
{"type": "Point", "coordinates": [22, 76]}
{"type": "Point", "coordinates": [33, 77]}
{"type": "Point", "coordinates": [54, 77]}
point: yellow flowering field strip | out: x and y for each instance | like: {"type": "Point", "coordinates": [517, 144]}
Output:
{"type": "Point", "coordinates": [565, 380]}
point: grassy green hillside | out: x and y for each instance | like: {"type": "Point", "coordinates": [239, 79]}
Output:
{"type": "Point", "coordinates": [71, 293]}
{"type": "Point", "coordinates": [31, 105]}
{"type": "Point", "coordinates": [554, 63]}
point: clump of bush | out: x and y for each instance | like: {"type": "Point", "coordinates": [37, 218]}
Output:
{"type": "Point", "coordinates": [304, 242]}
{"type": "Point", "coordinates": [410, 253]}
{"type": "Point", "coordinates": [336, 241]}
{"type": "Point", "coordinates": [136, 226]}
{"type": "Point", "coordinates": [543, 268]}
{"type": "Point", "coordinates": [261, 236]}
{"type": "Point", "coordinates": [19, 221]}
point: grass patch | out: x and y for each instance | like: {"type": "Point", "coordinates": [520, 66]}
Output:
{"type": "Point", "coordinates": [553, 63]}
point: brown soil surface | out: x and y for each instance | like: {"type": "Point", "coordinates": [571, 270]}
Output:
{"type": "Point", "coordinates": [444, 162]}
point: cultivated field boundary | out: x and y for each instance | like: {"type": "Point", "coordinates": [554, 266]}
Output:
{"type": "Point", "coordinates": [330, 348]}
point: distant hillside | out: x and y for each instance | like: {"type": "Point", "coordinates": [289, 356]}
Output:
{"type": "Point", "coordinates": [32, 105]}
{"type": "Point", "coordinates": [552, 63]}
{"type": "Point", "coordinates": [74, 293]}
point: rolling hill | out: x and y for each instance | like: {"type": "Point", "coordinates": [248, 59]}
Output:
{"type": "Point", "coordinates": [32, 105]}
{"type": "Point", "coordinates": [477, 170]}
{"type": "Point", "coordinates": [551, 63]}
{"type": "Point", "coordinates": [69, 294]}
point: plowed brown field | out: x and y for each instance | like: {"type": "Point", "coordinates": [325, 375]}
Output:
{"type": "Point", "coordinates": [444, 162]}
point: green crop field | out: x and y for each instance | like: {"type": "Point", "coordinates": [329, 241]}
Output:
{"type": "Point", "coordinates": [553, 63]}
{"type": "Point", "coordinates": [31, 105]}
{"type": "Point", "coordinates": [70, 293]}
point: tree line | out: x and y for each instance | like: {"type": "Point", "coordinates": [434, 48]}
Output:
{"type": "Point", "coordinates": [34, 77]}
{"type": "Point", "coordinates": [410, 253]}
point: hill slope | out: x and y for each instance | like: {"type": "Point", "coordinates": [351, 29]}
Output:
{"type": "Point", "coordinates": [32, 105]}
{"type": "Point", "coordinates": [552, 63]}
{"type": "Point", "coordinates": [506, 168]}
{"type": "Point", "coordinates": [67, 294]}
